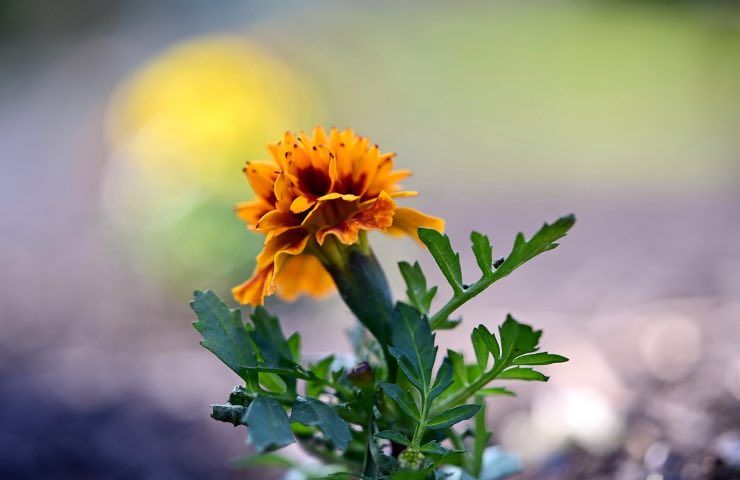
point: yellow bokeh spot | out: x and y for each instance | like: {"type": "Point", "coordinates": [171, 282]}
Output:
{"type": "Point", "coordinates": [197, 112]}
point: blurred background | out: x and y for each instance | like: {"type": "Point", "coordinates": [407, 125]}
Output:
{"type": "Point", "coordinates": [123, 130]}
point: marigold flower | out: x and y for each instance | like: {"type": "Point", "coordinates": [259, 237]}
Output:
{"type": "Point", "coordinates": [319, 193]}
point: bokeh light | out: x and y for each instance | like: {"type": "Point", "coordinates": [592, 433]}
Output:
{"type": "Point", "coordinates": [181, 128]}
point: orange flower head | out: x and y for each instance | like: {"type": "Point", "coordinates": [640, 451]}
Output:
{"type": "Point", "coordinates": [318, 193]}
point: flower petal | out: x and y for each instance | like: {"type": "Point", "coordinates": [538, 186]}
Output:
{"type": "Point", "coordinates": [292, 241]}
{"type": "Point", "coordinates": [407, 220]}
{"type": "Point", "coordinates": [348, 197]}
{"type": "Point", "coordinates": [302, 274]}
{"type": "Point", "coordinates": [301, 204]}
{"type": "Point", "coordinates": [251, 212]}
{"type": "Point", "coordinates": [378, 216]}
{"type": "Point", "coordinates": [404, 194]}
{"type": "Point", "coordinates": [276, 219]}
{"type": "Point", "coordinates": [261, 177]}
{"type": "Point", "coordinates": [254, 290]}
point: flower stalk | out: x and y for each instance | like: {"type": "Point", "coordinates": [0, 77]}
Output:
{"type": "Point", "coordinates": [363, 286]}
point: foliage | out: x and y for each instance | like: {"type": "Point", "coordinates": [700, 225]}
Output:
{"type": "Point", "coordinates": [399, 417]}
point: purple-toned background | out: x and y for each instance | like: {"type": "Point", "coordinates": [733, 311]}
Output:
{"type": "Point", "coordinates": [123, 128]}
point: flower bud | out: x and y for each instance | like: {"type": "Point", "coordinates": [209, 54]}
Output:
{"type": "Point", "coordinates": [411, 459]}
{"type": "Point", "coordinates": [362, 375]}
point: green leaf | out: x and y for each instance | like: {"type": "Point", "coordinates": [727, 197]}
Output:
{"type": "Point", "coordinates": [453, 416]}
{"type": "Point", "coordinates": [402, 398]}
{"type": "Point", "coordinates": [481, 350]}
{"type": "Point", "coordinates": [268, 424]}
{"type": "Point", "coordinates": [447, 324]}
{"type": "Point", "coordinates": [519, 373]}
{"type": "Point", "coordinates": [542, 241]}
{"type": "Point", "coordinates": [394, 437]}
{"type": "Point", "coordinates": [433, 447]}
{"type": "Point", "coordinates": [489, 340]}
{"type": "Point", "coordinates": [315, 413]}
{"type": "Point", "coordinates": [268, 336]}
{"type": "Point", "coordinates": [416, 287]}
{"type": "Point", "coordinates": [481, 438]}
{"type": "Point", "coordinates": [522, 251]}
{"type": "Point", "coordinates": [460, 371]}
{"type": "Point", "coordinates": [496, 391]}
{"type": "Point", "coordinates": [294, 345]}
{"type": "Point", "coordinates": [542, 358]}
{"type": "Point", "coordinates": [443, 381]}
{"type": "Point", "coordinates": [517, 338]}
{"type": "Point", "coordinates": [295, 371]}
{"type": "Point", "coordinates": [322, 369]}
{"type": "Point", "coordinates": [483, 252]}
{"type": "Point", "coordinates": [447, 259]}
{"type": "Point", "coordinates": [413, 345]}
{"type": "Point", "coordinates": [223, 331]}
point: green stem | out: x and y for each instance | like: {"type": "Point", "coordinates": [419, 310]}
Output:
{"type": "Point", "coordinates": [468, 391]}
{"type": "Point", "coordinates": [458, 300]}
{"type": "Point", "coordinates": [364, 288]}
{"type": "Point", "coordinates": [462, 296]}
{"type": "Point", "coordinates": [422, 425]}
{"type": "Point", "coordinates": [481, 437]}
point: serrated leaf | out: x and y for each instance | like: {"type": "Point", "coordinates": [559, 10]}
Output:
{"type": "Point", "coordinates": [542, 358]}
{"type": "Point", "coordinates": [223, 331]}
{"type": "Point", "coordinates": [294, 371]}
{"type": "Point", "coordinates": [542, 241]}
{"type": "Point", "coordinates": [268, 424]}
{"type": "Point", "coordinates": [402, 398]}
{"type": "Point", "coordinates": [394, 437]}
{"type": "Point", "coordinates": [480, 348]}
{"type": "Point", "coordinates": [453, 416]}
{"type": "Point", "coordinates": [459, 370]}
{"type": "Point", "coordinates": [520, 373]}
{"type": "Point", "coordinates": [413, 345]}
{"type": "Point", "coordinates": [294, 345]}
{"type": "Point", "coordinates": [447, 259]}
{"type": "Point", "coordinates": [416, 287]}
{"type": "Point", "coordinates": [490, 341]}
{"type": "Point", "coordinates": [517, 338]}
{"type": "Point", "coordinates": [496, 391]}
{"type": "Point", "coordinates": [315, 413]}
{"type": "Point", "coordinates": [272, 382]}
{"type": "Point", "coordinates": [483, 252]}
{"type": "Point", "coordinates": [268, 336]}
{"type": "Point", "coordinates": [448, 324]}
{"type": "Point", "coordinates": [433, 447]}
{"type": "Point", "coordinates": [443, 381]}
{"type": "Point", "coordinates": [322, 369]}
